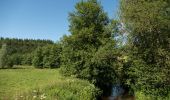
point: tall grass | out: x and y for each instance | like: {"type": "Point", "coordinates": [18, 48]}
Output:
{"type": "Point", "coordinates": [48, 84]}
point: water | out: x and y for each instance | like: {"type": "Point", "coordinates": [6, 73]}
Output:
{"type": "Point", "coordinates": [117, 90]}
{"type": "Point", "coordinates": [119, 93]}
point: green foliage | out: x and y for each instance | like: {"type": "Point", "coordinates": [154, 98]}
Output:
{"type": "Point", "coordinates": [3, 56]}
{"type": "Point", "coordinates": [70, 89]}
{"type": "Point", "coordinates": [22, 46]}
{"type": "Point", "coordinates": [51, 56]}
{"type": "Point", "coordinates": [27, 59]}
{"type": "Point", "coordinates": [10, 62]}
{"type": "Point", "coordinates": [87, 26]}
{"type": "Point", "coordinates": [38, 58]}
{"type": "Point", "coordinates": [143, 96]}
{"type": "Point", "coordinates": [147, 23]}
{"type": "Point", "coordinates": [89, 52]}
{"type": "Point", "coordinates": [14, 59]}
{"type": "Point", "coordinates": [47, 56]}
{"type": "Point", "coordinates": [19, 51]}
{"type": "Point", "coordinates": [104, 65]}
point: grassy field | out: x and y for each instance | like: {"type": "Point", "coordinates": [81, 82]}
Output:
{"type": "Point", "coordinates": [28, 84]}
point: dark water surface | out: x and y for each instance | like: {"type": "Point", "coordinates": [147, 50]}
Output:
{"type": "Point", "coordinates": [118, 93]}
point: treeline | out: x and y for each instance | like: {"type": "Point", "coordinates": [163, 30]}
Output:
{"type": "Point", "coordinates": [97, 50]}
{"type": "Point", "coordinates": [22, 46]}
{"type": "Point", "coordinates": [19, 51]}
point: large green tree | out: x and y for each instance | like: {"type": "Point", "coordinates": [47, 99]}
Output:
{"type": "Point", "coordinates": [147, 23]}
{"type": "Point", "coordinates": [89, 52]}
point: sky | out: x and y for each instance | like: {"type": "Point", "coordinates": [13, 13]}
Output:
{"type": "Point", "coordinates": [41, 19]}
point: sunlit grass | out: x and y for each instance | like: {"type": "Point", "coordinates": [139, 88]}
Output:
{"type": "Point", "coordinates": [47, 83]}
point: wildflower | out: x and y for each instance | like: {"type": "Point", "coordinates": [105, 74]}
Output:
{"type": "Point", "coordinates": [34, 96]}
{"type": "Point", "coordinates": [42, 96]}
{"type": "Point", "coordinates": [34, 91]}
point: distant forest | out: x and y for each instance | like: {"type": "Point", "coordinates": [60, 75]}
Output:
{"type": "Point", "coordinates": [19, 51]}
{"type": "Point", "coordinates": [23, 46]}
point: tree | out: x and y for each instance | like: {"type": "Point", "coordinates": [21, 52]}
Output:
{"type": "Point", "coordinates": [147, 23]}
{"type": "Point", "coordinates": [47, 56]}
{"type": "Point", "coordinates": [38, 58]}
{"type": "Point", "coordinates": [3, 56]}
{"type": "Point", "coordinates": [91, 33]}
{"type": "Point", "coordinates": [27, 59]}
{"type": "Point", "coordinates": [51, 56]}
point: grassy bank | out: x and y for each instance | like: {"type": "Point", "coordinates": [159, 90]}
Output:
{"type": "Point", "coordinates": [28, 84]}
{"type": "Point", "coordinates": [142, 96]}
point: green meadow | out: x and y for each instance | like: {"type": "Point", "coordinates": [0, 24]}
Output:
{"type": "Point", "coordinates": [29, 83]}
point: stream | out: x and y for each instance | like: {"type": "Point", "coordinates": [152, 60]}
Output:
{"type": "Point", "coordinates": [118, 93]}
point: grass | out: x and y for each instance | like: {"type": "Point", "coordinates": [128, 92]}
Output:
{"type": "Point", "coordinates": [28, 84]}
{"type": "Point", "coordinates": [142, 96]}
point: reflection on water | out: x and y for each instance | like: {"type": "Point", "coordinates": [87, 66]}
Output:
{"type": "Point", "coordinates": [118, 93]}
{"type": "Point", "coordinates": [117, 90]}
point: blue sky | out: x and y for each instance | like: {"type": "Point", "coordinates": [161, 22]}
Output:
{"type": "Point", "coordinates": [41, 19]}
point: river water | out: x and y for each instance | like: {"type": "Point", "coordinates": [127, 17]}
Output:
{"type": "Point", "coordinates": [118, 93]}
